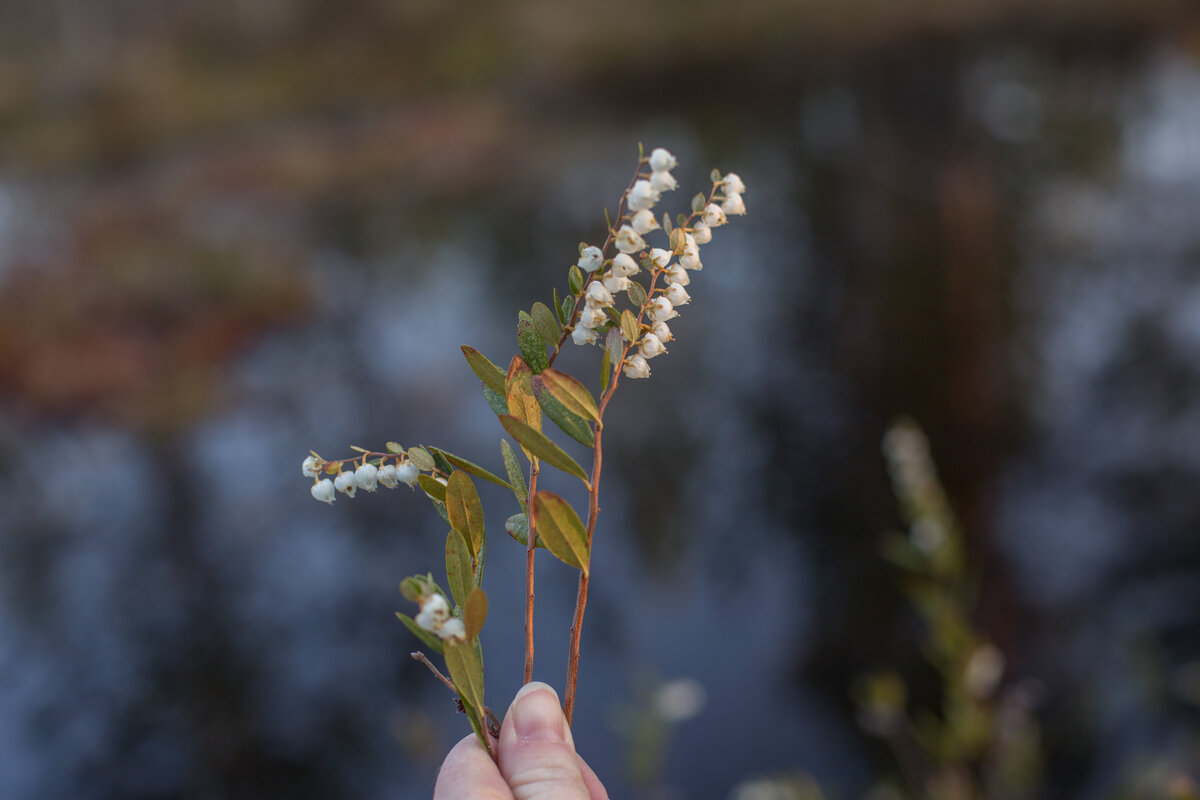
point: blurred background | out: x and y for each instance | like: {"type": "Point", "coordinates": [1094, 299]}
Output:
{"type": "Point", "coordinates": [235, 230]}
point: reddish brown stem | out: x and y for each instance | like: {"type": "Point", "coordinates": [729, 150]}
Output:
{"type": "Point", "coordinates": [530, 548]}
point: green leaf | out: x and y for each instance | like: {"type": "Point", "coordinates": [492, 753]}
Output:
{"type": "Point", "coordinates": [558, 307]}
{"type": "Point", "coordinates": [568, 308]}
{"type": "Point", "coordinates": [575, 279]}
{"type": "Point", "coordinates": [533, 349]}
{"type": "Point", "coordinates": [572, 424]}
{"type": "Point", "coordinates": [521, 402]}
{"type": "Point", "coordinates": [697, 202]}
{"type": "Point", "coordinates": [546, 324]}
{"type": "Point", "coordinates": [433, 487]}
{"type": "Point", "coordinates": [421, 458]}
{"type": "Point", "coordinates": [637, 293]}
{"type": "Point", "coordinates": [570, 392]}
{"type": "Point", "coordinates": [613, 314]}
{"type": "Point", "coordinates": [393, 447]}
{"type": "Point", "coordinates": [427, 638]}
{"type": "Point", "coordinates": [471, 467]}
{"type": "Point", "coordinates": [417, 586]}
{"type": "Point", "coordinates": [439, 461]}
{"type": "Point", "coordinates": [491, 375]}
{"type": "Point", "coordinates": [682, 219]}
{"type": "Point", "coordinates": [605, 370]}
{"type": "Point", "coordinates": [540, 445]}
{"type": "Point", "coordinates": [464, 508]}
{"type": "Point", "coordinates": [466, 670]}
{"type": "Point", "coordinates": [495, 401]}
{"type": "Point", "coordinates": [678, 240]}
{"type": "Point", "coordinates": [518, 528]}
{"type": "Point", "coordinates": [440, 507]}
{"type": "Point", "coordinates": [715, 176]}
{"type": "Point", "coordinates": [561, 529]}
{"type": "Point", "coordinates": [516, 476]}
{"type": "Point", "coordinates": [629, 326]}
{"type": "Point", "coordinates": [666, 223]}
{"type": "Point", "coordinates": [475, 613]}
{"type": "Point", "coordinates": [459, 574]}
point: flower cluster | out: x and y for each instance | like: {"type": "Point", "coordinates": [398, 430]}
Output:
{"type": "Point", "coordinates": [366, 476]}
{"type": "Point", "coordinates": [436, 618]}
{"type": "Point", "coordinates": [615, 274]}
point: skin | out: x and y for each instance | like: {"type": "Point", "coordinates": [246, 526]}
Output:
{"type": "Point", "coordinates": [537, 758]}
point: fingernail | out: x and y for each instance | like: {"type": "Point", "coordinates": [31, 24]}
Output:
{"type": "Point", "coordinates": [537, 716]}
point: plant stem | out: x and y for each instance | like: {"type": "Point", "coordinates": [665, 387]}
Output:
{"type": "Point", "coordinates": [582, 594]}
{"type": "Point", "coordinates": [530, 548]}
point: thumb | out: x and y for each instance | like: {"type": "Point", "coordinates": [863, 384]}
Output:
{"type": "Point", "coordinates": [537, 753]}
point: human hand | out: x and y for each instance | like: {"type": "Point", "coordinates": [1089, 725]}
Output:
{"type": "Point", "coordinates": [537, 759]}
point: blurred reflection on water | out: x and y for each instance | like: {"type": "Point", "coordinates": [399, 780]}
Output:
{"type": "Point", "coordinates": [1002, 243]}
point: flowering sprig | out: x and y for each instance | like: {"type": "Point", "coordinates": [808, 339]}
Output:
{"type": "Point", "coordinates": [527, 393]}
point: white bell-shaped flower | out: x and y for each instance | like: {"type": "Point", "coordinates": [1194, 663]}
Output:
{"type": "Point", "coordinates": [407, 473]}
{"type": "Point", "coordinates": [623, 266]}
{"type": "Point", "coordinates": [593, 317]}
{"type": "Point", "coordinates": [636, 367]}
{"type": "Point", "coordinates": [677, 274]}
{"type": "Point", "coordinates": [642, 196]}
{"type": "Point", "coordinates": [662, 309]}
{"type": "Point", "coordinates": [677, 294]}
{"type": "Point", "coordinates": [651, 346]}
{"type": "Point", "coordinates": [387, 476]}
{"type": "Point", "coordinates": [597, 295]}
{"type": "Point", "coordinates": [713, 216]}
{"type": "Point", "coordinates": [453, 630]}
{"type": "Point", "coordinates": [590, 259]}
{"type": "Point", "coordinates": [311, 467]}
{"type": "Point", "coordinates": [701, 233]}
{"type": "Point", "coordinates": [434, 613]}
{"type": "Point", "coordinates": [660, 258]}
{"type": "Point", "coordinates": [643, 221]}
{"type": "Point", "coordinates": [733, 205]}
{"type": "Point", "coordinates": [616, 284]}
{"type": "Point", "coordinates": [366, 476]}
{"type": "Point", "coordinates": [629, 241]}
{"type": "Point", "coordinates": [582, 335]}
{"type": "Point", "coordinates": [661, 159]}
{"type": "Point", "coordinates": [691, 258]}
{"type": "Point", "coordinates": [344, 483]}
{"type": "Point", "coordinates": [323, 490]}
{"type": "Point", "coordinates": [663, 181]}
{"type": "Point", "coordinates": [732, 184]}
{"type": "Point", "coordinates": [662, 331]}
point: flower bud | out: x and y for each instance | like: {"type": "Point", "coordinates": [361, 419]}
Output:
{"type": "Point", "coordinates": [663, 182]}
{"type": "Point", "coordinates": [732, 184]}
{"type": "Point", "coordinates": [690, 241]}
{"type": "Point", "coordinates": [677, 274]}
{"type": "Point", "coordinates": [660, 258]}
{"type": "Point", "coordinates": [311, 467]}
{"type": "Point", "coordinates": [407, 473]}
{"type": "Point", "coordinates": [677, 294]}
{"type": "Point", "coordinates": [624, 267]}
{"type": "Point", "coordinates": [365, 477]}
{"type": "Point", "coordinates": [733, 205]}
{"type": "Point", "coordinates": [662, 309]}
{"type": "Point", "coordinates": [344, 483]}
{"type": "Point", "coordinates": [590, 259]}
{"type": "Point", "coordinates": [713, 216]}
{"type": "Point", "coordinates": [701, 233]}
{"type": "Point", "coordinates": [629, 240]}
{"type": "Point", "coordinates": [662, 159]}
{"type": "Point", "coordinates": [323, 490]}
{"type": "Point", "coordinates": [387, 476]}
{"type": "Point", "coordinates": [636, 367]}
{"type": "Point", "coordinates": [651, 346]}
{"type": "Point", "coordinates": [582, 335]}
{"type": "Point", "coordinates": [642, 196]}
{"type": "Point", "coordinates": [597, 295]}
{"type": "Point", "coordinates": [643, 221]}
{"type": "Point", "coordinates": [691, 258]}
{"type": "Point", "coordinates": [615, 284]}
{"type": "Point", "coordinates": [662, 331]}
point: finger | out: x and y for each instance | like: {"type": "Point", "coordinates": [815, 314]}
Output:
{"type": "Point", "coordinates": [537, 753]}
{"type": "Point", "coordinates": [468, 773]}
{"type": "Point", "coordinates": [596, 790]}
